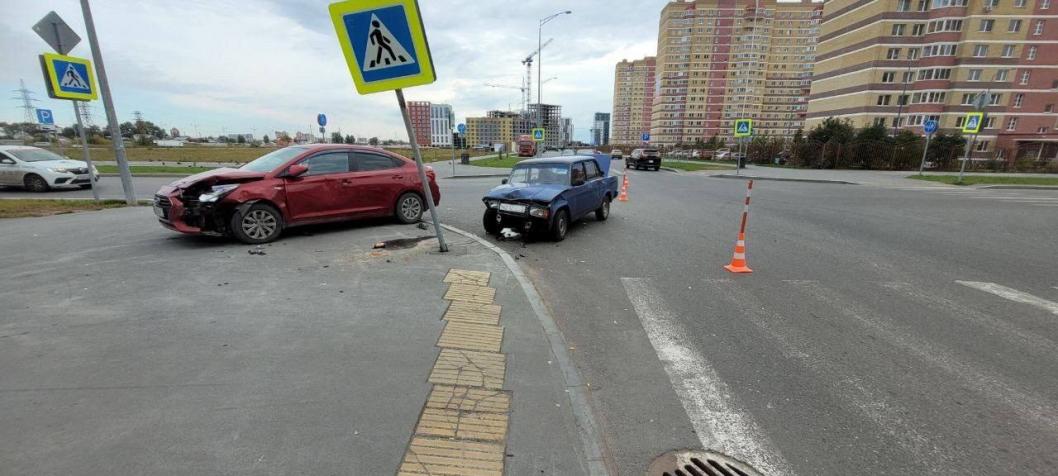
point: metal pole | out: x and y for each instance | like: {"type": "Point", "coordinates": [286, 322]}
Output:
{"type": "Point", "coordinates": [922, 165]}
{"type": "Point", "coordinates": [453, 136]}
{"type": "Point", "coordinates": [84, 146]}
{"type": "Point", "coordinates": [422, 171]}
{"type": "Point", "coordinates": [969, 150]}
{"type": "Point", "coordinates": [108, 104]}
{"type": "Point", "coordinates": [539, 85]}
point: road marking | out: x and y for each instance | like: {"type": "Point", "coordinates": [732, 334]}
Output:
{"type": "Point", "coordinates": [717, 421]}
{"type": "Point", "coordinates": [1013, 295]}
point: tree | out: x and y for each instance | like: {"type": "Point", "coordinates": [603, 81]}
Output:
{"type": "Point", "coordinates": [373, 141]}
{"type": "Point", "coordinates": [127, 129]}
{"type": "Point", "coordinates": [241, 139]}
{"type": "Point", "coordinates": [350, 139]}
{"type": "Point", "coordinates": [872, 144]}
{"type": "Point", "coordinates": [68, 132]}
{"type": "Point", "coordinates": [336, 138]}
{"type": "Point", "coordinates": [264, 138]}
{"type": "Point", "coordinates": [827, 143]}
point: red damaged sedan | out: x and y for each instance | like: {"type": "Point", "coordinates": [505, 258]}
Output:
{"type": "Point", "coordinates": [294, 186]}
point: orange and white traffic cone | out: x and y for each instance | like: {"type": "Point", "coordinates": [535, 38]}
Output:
{"type": "Point", "coordinates": [623, 197]}
{"type": "Point", "coordinates": [738, 261]}
{"type": "Point", "coordinates": [625, 185]}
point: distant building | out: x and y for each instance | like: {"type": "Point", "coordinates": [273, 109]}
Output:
{"type": "Point", "coordinates": [497, 127]}
{"type": "Point", "coordinates": [567, 131]}
{"type": "Point", "coordinates": [174, 132]}
{"type": "Point", "coordinates": [235, 137]}
{"type": "Point", "coordinates": [600, 129]}
{"type": "Point", "coordinates": [441, 123]}
{"type": "Point", "coordinates": [420, 121]}
{"type": "Point", "coordinates": [633, 99]}
{"type": "Point", "coordinates": [550, 118]}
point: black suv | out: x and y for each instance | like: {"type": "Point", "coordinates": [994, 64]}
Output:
{"type": "Point", "coordinates": [644, 158]}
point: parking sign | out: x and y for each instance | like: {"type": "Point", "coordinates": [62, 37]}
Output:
{"type": "Point", "coordinates": [44, 117]}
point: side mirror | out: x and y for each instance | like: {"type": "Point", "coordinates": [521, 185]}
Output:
{"type": "Point", "coordinates": [297, 170]}
{"type": "Point", "coordinates": [504, 181]}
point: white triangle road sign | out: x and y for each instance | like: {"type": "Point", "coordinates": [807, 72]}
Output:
{"type": "Point", "coordinates": [383, 49]}
{"type": "Point", "coordinates": [971, 123]}
{"type": "Point", "coordinates": [72, 79]}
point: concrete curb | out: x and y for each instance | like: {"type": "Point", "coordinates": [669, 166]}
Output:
{"type": "Point", "coordinates": [590, 435]}
{"type": "Point", "coordinates": [670, 169]}
{"type": "Point", "coordinates": [1020, 187]}
{"type": "Point", "coordinates": [777, 179]}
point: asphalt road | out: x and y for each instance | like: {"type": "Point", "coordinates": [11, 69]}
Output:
{"type": "Point", "coordinates": [108, 187]}
{"type": "Point", "coordinates": [905, 330]}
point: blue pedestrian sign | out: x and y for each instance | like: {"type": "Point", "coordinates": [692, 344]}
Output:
{"type": "Point", "coordinates": [645, 137]}
{"type": "Point", "coordinates": [68, 77]}
{"type": "Point", "coordinates": [384, 43]}
{"type": "Point", "coordinates": [321, 119]}
{"type": "Point", "coordinates": [44, 117]}
{"type": "Point", "coordinates": [973, 123]}
{"type": "Point", "coordinates": [930, 126]}
{"type": "Point", "coordinates": [743, 127]}
{"type": "Point", "coordinates": [539, 135]}
{"type": "Point", "coordinates": [462, 128]}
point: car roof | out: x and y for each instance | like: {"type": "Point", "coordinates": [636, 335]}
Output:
{"type": "Point", "coordinates": [17, 147]}
{"type": "Point", "coordinates": [564, 159]}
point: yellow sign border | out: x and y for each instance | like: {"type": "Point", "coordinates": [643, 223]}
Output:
{"type": "Point", "coordinates": [980, 123]}
{"type": "Point", "coordinates": [52, 77]}
{"type": "Point", "coordinates": [426, 74]}
{"type": "Point", "coordinates": [543, 134]}
{"type": "Point", "coordinates": [738, 121]}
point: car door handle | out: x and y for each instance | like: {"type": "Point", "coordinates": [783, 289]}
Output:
{"type": "Point", "coordinates": [397, 177]}
{"type": "Point", "coordinates": [347, 182]}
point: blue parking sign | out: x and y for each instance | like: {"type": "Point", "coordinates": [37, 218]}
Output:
{"type": "Point", "coordinates": [321, 119]}
{"type": "Point", "coordinates": [44, 117]}
{"type": "Point", "coordinates": [645, 137]}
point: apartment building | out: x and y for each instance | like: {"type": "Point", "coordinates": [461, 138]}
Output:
{"type": "Point", "coordinates": [721, 60]}
{"type": "Point", "coordinates": [600, 129]}
{"type": "Point", "coordinates": [903, 62]}
{"type": "Point", "coordinates": [419, 111]}
{"type": "Point", "coordinates": [633, 100]}
{"type": "Point", "coordinates": [441, 124]}
{"type": "Point", "coordinates": [497, 127]}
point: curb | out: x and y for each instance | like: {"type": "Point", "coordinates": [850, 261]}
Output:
{"type": "Point", "coordinates": [590, 435]}
{"type": "Point", "coordinates": [670, 169]}
{"type": "Point", "coordinates": [1020, 187]}
{"type": "Point", "coordinates": [776, 179]}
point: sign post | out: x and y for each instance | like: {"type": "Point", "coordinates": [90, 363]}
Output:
{"type": "Point", "coordinates": [384, 44]}
{"type": "Point", "coordinates": [973, 124]}
{"type": "Point", "coordinates": [930, 127]}
{"type": "Point", "coordinates": [461, 129]}
{"type": "Point", "coordinates": [743, 130]}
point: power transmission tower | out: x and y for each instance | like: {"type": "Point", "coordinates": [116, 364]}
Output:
{"type": "Point", "coordinates": [26, 98]}
{"type": "Point", "coordinates": [86, 114]}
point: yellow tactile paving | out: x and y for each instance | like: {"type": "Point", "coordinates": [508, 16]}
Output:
{"type": "Point", "coordinates": [469, 292]}
{"type": "Point", "coordinates": [469, 368]}
{"type": "Point", "coordinates": [436, 456]}
{"type": "Point", "coordinates": [463, 335]}
{"type": "Point", "coordinates": [462, 276]}
{"type": "Point", "coordinates": [463, 425]}
{"type": "Point", "coordinates": [473, 312]}
{"type": "Point", "coordinates": [468, 399]}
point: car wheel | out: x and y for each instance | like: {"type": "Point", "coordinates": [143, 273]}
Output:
{"type": "Point", "coordinates": [260, 223]}
{"type": "Point", "coordinates": [491, 221]}
{"type": "Point", "coordinates": [627, 165]}
{"type": "Point", "coordinates": [560, 226]}
{"type": "Point", "coordinates": [409, 208]}
{"type": "Point", "coordinates": [35, 183]}
{"type": "Point", "coordinates": [603, 212]}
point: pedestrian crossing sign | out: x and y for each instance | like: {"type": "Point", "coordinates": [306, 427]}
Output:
{"type": "Point", "coordinates": [68, 77]}
{"type": "Point", "coordinates": [743, 127]}
{"type": "Point", "coordinates": [973, 123]}
{"type": "Point", "coordinates": [539, 135]}
{"type": "Point", "coordinates": [384, 44]}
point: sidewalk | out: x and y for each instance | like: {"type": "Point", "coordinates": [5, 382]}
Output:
{"type": "Point", "coordinates": [877, 178]}
{"type": "Point", "coordinates": [151, 352]}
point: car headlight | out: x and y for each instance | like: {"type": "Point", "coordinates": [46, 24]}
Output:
{"type": "Point", "coordinates": [217, 192]}
{"type": "Point", "coordinates": [539, 212]}
{"type": "Point", "coordinates": [59, 170]}
{"type": "Point", "coordinates": [492, 203]}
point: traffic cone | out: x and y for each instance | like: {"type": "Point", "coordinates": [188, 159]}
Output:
{"type": "Point", "coordinates": [738, 261]}
{"type": "Point", "coordinates": [625, 185]}
{"type": "Point", "coordinates": [623, 197]}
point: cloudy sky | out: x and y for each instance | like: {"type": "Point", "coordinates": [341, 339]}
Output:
{"type": "Point", "coordinates": [264, 65]}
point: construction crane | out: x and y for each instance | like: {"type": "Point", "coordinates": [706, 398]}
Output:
{"type": "Point", "coordinates": [523, 88]}
{"type": "Point", "coordinates": [528, 62]}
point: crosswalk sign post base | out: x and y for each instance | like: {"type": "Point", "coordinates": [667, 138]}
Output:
{"type": "Point", "coordinates": [422, 170]}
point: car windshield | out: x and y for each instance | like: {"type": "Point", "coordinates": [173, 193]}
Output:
{"type": "Point", "coordinates": [557, 174]}
{"type": "Point", "coordinates": [35, 155]}
{"type": "Point", "coordinates": [272, 160]}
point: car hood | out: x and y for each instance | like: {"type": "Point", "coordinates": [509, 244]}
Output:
{"type": "Point", "coordinates": [536, 193]}
{"type": "Point", "coordinates": [215, 176]}
{"type": "Point", "coordinates": [58, 164]}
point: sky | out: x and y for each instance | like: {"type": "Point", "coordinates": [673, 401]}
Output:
{"type": "Point", "coordinates": [209, 67]}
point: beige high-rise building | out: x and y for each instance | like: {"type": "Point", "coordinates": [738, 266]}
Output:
{"type": "Point", "coordinates": [633, 100]}
{"type": "Point", "coordinates": [721, 60]}
{"type": "Point", "coordinates": [901, 63]}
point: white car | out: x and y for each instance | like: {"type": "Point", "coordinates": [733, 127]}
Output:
{"type": "Point", "coordinates": [40, 170]}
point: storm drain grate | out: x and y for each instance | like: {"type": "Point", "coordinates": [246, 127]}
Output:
{"type": "Point", "coordinates": [699, 463]}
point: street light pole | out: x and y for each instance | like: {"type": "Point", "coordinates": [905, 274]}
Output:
{"type": "Point", "coordinates": [540, 69]}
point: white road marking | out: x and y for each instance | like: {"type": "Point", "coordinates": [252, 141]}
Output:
{"type": "Point", "coordinates": [718, 422]}
{"type": "Point", "coordinates": [1031, 408]}
{"type": "Point", "coordinates": [1013, 295]}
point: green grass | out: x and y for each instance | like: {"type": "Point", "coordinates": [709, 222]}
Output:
{"type": "Point", "coordinates": [17, 208]}
{"type": "Point", "coordinates": [154, 169]}
{"type": "Point", "coordinates": [498, 162]}
{"type": "Point", "coordinates": [694, 166]}
{"type": "Point", "coordinates": [987, 180]}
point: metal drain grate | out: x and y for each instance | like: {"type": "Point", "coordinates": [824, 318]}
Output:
{"type": "Point", "coordinates": [698, 463]}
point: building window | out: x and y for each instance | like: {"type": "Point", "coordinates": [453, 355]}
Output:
{"type": "Point", "coordinates": [1048, 108]}
{"type": "Point", "coordinates": [975, 75]}
{"type": "Point", "coordinates": [1045, 4]}
{"type": "Point", "coordinates": [1019, 3]}
{"type": "Point", "coordinates": [909, 76]}
{"type": "Point", "coordinates": [879, 121]}
{"type": "Point", "coordinates": [1001, 75]}
{"type": "Point", "coordinates": [918, 29]}
{"type": "Point", "coordinates": [1032, 52]}
{"type": "Point", "coordinates": [980, 51]}
{"type": "Point", "coordinates": [913, 53]}
{"type": "Point", "coordinates": [884, 100]}
{"type": "Point", "coordinates": [1018, 99]}
{"type": "Point", "coordinates": [1014, 26]}
{"type": "Point", "coordinates": [995, 99]}
{"type": "Point", "coordinates": [894, 53]}
{"type": "Point", "coordinates": [1038, 30]}
{"type": "Point", "coordinates": [899, 29]}
{"type": "Point", "coordinates": [888, 77]}
{"type": "Point", "coordinates": [1041, 130]}
{"type": "Point", "coordinates": [968, 99]}
{"type": "Point", "coordinates": [902, 100]}
{"type": "Point", "coordinates": [1025, 77]}
{"type": "Point", "coordinates": [991, 3]}
{"type": "Point", "coordinates": [987, 25]}
{"type": "Point", "coordinates": [982, 146]}
{"type": "Point", "coordinates": [1008, 51]}
{"type": "Point", "coordinates": [1012, 124]}
{"type": "Point", "coordinates": [960, 121]}
{"type": "Point", "coordinates": [903, 6]}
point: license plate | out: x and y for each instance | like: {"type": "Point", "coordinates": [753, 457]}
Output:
{"type": "Point", "coordinates": [513, 208]}
{"type": "Point", "coordinates": [160, 212]}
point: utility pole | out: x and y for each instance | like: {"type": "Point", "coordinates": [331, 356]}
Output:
{"type": "Point", "coordinates": [540, 69]}
{"type": "Point", "coordinates": [108, 103]}
{"type": "Point", "coordinates": [26, 98]}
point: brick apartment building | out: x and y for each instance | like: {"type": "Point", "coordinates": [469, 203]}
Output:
{"type": "Point", "coordinates": [902, 62]}
{"type": "Point", "coordinates": [719, 60]}
{"type": "Point", "coordinates": [420, 121]}
{"type": "Point", "coordinates": [633, 100]}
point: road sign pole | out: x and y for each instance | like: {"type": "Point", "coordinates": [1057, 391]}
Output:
{"type": "Point", "coordinates": [450, 133]}
{"type": "Point", "coordinates": [84, 148]}
{"type": "Point", "coordinates": [422, 171]}
{"type": "Point", "coordinates": [108, 104]}
{"type": "Point", "coordinates": [969, 150]}
{"type": "Point", "coordinates": [922, 165]}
